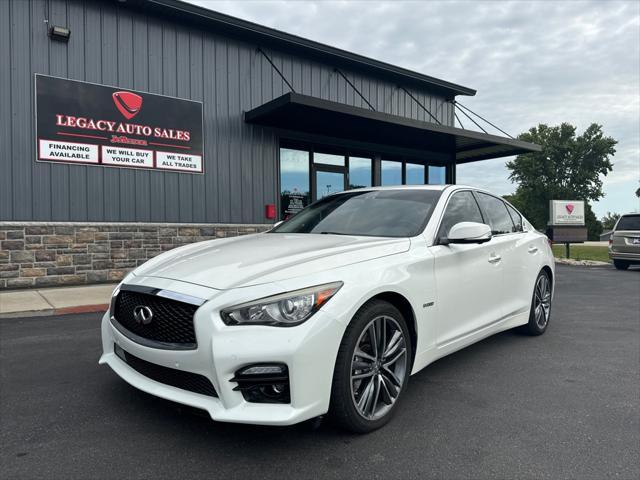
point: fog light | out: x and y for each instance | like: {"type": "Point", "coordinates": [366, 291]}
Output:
{"type": "Point", "coordinates": [263, 383]}
{"type": "Point", "coordinates": [264, 370]}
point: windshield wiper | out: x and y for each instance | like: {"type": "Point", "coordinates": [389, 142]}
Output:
{"type": "Point", "coordinates": [334, 233]}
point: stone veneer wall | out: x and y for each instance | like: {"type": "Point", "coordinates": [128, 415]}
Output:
{"type": "Point", "coordinates": [35, 254]}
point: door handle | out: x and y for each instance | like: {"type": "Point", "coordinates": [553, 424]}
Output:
{"type": "Point", "coordinates": [532, 249]}
{"type": "Point", "coordinates": [495, 258]}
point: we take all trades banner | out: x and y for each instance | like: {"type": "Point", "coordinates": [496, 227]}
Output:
{"type": "Point", "coordinates": [90, 124]}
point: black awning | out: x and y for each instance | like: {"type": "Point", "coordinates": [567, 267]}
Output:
{"type": "Point", "coordinates": [302, 113]}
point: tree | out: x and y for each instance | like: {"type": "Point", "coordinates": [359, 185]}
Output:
{"type": "Point", "coordinates": [609, 220]}
{"type": "Point", "coordinates": [568, 167]}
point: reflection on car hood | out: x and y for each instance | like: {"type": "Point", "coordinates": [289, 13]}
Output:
{"type": "Point", "coordinates": [268, 257]}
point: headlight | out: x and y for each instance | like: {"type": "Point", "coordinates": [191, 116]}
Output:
{"type": "Point", "coordinates": [284, 310]}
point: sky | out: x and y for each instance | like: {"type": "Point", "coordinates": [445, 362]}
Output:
{"type": "Point", "coordinates": [530, 61]}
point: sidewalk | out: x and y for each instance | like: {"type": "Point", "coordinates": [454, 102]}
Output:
{"type": "Point", "coordinates": [55, 301]}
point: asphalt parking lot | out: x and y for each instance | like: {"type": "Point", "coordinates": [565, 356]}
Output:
{"type": "Point", "coordinates": [564, 405]}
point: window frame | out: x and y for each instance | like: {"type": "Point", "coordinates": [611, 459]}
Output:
{"type": "Point", "coordinates": [424, 166]}
{"type": "Point", "coordinates": [348, 167]}
{"type": "Point", "coordinates": [311, 147]}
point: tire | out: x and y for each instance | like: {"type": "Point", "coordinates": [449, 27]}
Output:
{"type": "Point", "coordinates": [542, 289]}
{"type": "Point", "coordinates": [620, 264]}
{"type": "Point", "coordinates": [371, 403]}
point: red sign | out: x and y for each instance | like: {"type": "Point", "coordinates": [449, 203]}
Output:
{"type": "Point", "coordinates": [128, 103]}
{"type": "Point", "coordinates": [84, 123]}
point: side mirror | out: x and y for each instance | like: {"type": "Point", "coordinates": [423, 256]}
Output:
{"type": "Point", "coordinates": [469, 232]}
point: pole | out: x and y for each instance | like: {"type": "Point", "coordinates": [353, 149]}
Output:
{"type": "Point", "coordinates": [567, 249]}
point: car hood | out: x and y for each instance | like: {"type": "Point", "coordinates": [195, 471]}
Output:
{"type": "Point", "coordinates": [267, 257]}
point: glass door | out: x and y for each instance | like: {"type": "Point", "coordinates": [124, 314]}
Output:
{"type": "Point", "coordinates": [327, 182]}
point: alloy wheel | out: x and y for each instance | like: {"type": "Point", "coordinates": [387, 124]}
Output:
{"type": "Point", "coordinates": [542, 301]}
{"type": "Point", "coordinates": [378, 367]}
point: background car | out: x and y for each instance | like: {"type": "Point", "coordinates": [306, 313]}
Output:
{"type": "Point", "coordinates": [332, 310]}
{"type": "Point", "coordinates": [624, 244]}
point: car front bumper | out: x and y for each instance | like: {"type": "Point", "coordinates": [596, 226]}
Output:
{"type": "Point", "coordinates": [309, 351]}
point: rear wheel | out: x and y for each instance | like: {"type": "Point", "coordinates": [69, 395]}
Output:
{"type": "Point", "coordinates": [372, 368]}
{"type": "Point", "coordinates": [621, 264]}
{"type": "Point", "coordinates": [540, 313]}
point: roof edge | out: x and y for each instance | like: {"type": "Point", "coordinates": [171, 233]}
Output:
{"type": "Point", "coordinates": [302, 43]}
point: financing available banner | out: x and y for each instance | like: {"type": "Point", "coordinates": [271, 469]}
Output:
{"type": "Point", "coordinates": [85, 123]}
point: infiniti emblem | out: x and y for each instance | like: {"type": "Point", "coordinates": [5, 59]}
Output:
{"type": "Point", "coordinates": [143, 315]}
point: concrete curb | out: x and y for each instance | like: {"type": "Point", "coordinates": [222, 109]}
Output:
{"type": "Point", "coordinates": [581, 263]}
{"type": "Point", "coordinates": [99, 308]}
{"type": "Point", "coordinates": [55, 301]}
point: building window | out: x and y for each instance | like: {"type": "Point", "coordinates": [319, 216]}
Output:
{"type": "Point", "coordinates": [360, 172]}
{"type": "Point", "coordinates": [328, 159]}
{"type": "Point", "coordinates": [294, 181]}
{"type": "Point", "coordinates": [307, 174]}
{"type": "Point", "coordinates": [414, 174]}
{"type": "Point", "coordinates": [437, 175]}
{"type": "Point", "coordinates": [391, 172]}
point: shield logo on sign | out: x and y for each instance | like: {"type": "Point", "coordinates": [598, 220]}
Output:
{"type": "Point", "coordinates": [569, 207]}
{"type": "Point", "coordinates": [129, 104]}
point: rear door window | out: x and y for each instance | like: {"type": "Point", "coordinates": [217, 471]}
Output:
{"type": "Point", "coordinates": [462, 207]}
{"type": "Point", "coordinates": [496, 214]}
{"type": "Point", "coordinates": [515, 217]}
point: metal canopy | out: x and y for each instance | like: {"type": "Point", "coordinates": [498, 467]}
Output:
{"type": "Point", "coordinates": [314, 116]}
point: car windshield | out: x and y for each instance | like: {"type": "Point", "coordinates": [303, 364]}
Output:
{"type": "Point", "coordinates": [378, 213]}
{"type": "Point", "coordinates": [629, 222]}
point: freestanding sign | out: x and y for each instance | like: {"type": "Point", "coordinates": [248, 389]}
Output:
{"type": "Point", "coordinates": [566, 212]}
{"type": "Point", "coordinates": [84, 123]}
{"type": "Point", "coordinates": [567, 222]}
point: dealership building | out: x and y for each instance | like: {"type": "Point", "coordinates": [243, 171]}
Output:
{"type": "Point", "coordinates": [128, 128]}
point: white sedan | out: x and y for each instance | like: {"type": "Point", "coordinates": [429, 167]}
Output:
{"type": "Point", "coordinates": [332, 310]}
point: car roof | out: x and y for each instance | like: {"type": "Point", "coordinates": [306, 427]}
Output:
{"type": "Point", "coordinates": [418, 187]}
{"type": "Point", "coordinates": [399, 187]}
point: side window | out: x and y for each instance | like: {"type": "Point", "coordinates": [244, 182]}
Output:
{"type": "Point", "coordinates": [496, 213]}
{"type": "Point", "coordinates": [516, 217]}
{"type": "Point", "coordinates": [462, 207]}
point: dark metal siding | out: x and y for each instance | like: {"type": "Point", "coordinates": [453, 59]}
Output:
{"type": "Point", "coordinates": [114, 45]}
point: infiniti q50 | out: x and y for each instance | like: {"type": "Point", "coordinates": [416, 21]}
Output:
{"type": "Point", "coordinates": [331, 311]}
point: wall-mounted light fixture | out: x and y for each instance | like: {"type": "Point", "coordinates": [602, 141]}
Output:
{"type": "Point", "coordinates": [61, 34]}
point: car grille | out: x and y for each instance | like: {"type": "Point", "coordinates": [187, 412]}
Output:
{"type": "Point", "coordinates": [170, 327]}
{"type": "Point", "coordinates": [169, 376]}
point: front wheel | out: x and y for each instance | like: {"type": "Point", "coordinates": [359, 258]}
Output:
{"type": "Point", "coordinates": [540, 306]}
{"type": "Point", "coordinates": [372, 368]}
